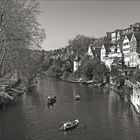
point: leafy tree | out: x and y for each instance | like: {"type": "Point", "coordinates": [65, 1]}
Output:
{"type": "Point", "coordinates": [80, 44]}
{"type": "Point", "coordinates": [136, 75]}
{"type": "Point", "coordinates": [116, 65]}
{"type": "Point", "coordinates": [87, 70]}
{"type": "Point", "coordinates": [67, 67]}
{"type": "Point", "coordinates": [55, 70]}
{"type": "Point", "coordinates": [46, 63]}
{"type": "Point", "coordinates": [100, 71]}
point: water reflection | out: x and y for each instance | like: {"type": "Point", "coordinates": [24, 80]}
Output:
{"type": "Point", "coordinates": [121, 112]}
{"type": "Point", "coordinates": [103, 114]}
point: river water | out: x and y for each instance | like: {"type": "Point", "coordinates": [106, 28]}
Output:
{"type": "Point", "coordinates": [103, 115]}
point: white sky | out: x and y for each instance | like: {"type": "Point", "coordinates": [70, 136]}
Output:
{"type": "Point", "coordinates": [63, 20]}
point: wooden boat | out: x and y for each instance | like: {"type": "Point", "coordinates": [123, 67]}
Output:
{"type": "Point", "coordinates": [87, 82]}
{"type": "Point", "coordinates": [77, 97]}
{"type": "Point", "coordinates": [51, 100]}
{"type": "Point", "coordinates": [69, 125]}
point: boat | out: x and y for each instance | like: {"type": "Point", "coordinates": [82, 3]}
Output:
{"type": "Point", "coordinates": [51, 100]}
{"type": "Point", "coordinates": [87, 82]}
{"type": "Point", "coordinates": [69, 125]}
{"type": "Point", "coordinates": [77, 97]}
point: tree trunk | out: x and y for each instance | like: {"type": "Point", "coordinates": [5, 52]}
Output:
{"type": "Point", "coordinates": [1, 62]}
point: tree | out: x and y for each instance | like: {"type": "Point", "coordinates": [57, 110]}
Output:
{"type": "Point", "coordinates": [94, 69]}
{"type": "Point", "coordinates": [100, 71]}
{"type": "Point", "coordinates": [19, 29]}
{"type": "Point", "coordinates": [115, 66]}
{"type": "Point", "coordinates": [80, 43]}
{"type": "Point", "coordinates": [136, 75]}
{"type": "Point", "coordinates": [67, 67]}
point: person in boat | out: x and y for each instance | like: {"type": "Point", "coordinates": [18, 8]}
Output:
{"type": "Point", "coordinates": [51, 100]}
{"type": "Point", "coordinates": [69, 125]}
{"type": "Point", "coordinates": [49, 97]}
{"type": "Point", "coordinates": [77, 97]}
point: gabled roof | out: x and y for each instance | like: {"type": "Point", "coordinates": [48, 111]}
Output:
{"type": "Point", "coordinates": [129, 36]}
{"type": "Point", "coordinates": [137, 35]}
{"type": "Point", "coordinates": [120, 42]}
{"type": "Point", "coordinates": [107, 47]}
{"type": "Point", "coordinates": [77, 58]}
{"type": "Point", "coordinates": [91, 48]}
{"type": "Point", "coordinates": [95, 50]}
{"type": "Point", "coordinates": [97, 45]}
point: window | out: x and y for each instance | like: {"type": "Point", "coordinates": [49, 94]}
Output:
{"type": "Point", "coordinates": [125, 44]}
{"type": "Point", "coordinates": [133, 44]}
{"type": "Point", "coordinates": [127, 49]}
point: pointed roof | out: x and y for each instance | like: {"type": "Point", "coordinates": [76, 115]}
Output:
{"type": "Point", "coordinates": [95, 50]}
{"type": "Point", "coordinates": [77, 58]}
{"type": "Point", "coordinates": [129, 36]}
{"type": "Point", "coordinates": [137, 35]}
{"type": "Point", "coordinates": [90, 47]}
{"type": "Point", "coordinates": [107, 47]}
{"type": "Point", "coordinates": [120, 42]}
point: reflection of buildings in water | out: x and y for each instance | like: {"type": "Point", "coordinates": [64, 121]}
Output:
{"type": "Point", "coordinates": [123, 109]}
{"type": "Point", "coordinates": [114, 105]}
{"type": "Point", "coordinates": [110, 102]}
{"type": "Point", "coordinates": [135, 98]}
{"type": "Point", "coordinates": [105, 90]}
{"type": "Point", "coordinates": [39, 83]}
{"type": "Point", "coordinates": [90, 92]}
{"type": "Point", "coordinates": [83, 90]}
{"type": "Point", "coordinates": [134, 116]}
{"type": "Point", "coordinates": [74, 91]}
{"type": "Point", "coordinates": [23, 98]}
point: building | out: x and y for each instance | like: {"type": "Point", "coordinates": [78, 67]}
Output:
{"type": "Point", "coordinates": [113, 51]}
{"type": "Point", "coordinates": [94, 51]}
{"type": "Point", "coordinates": [126, 49]}
{"type": "Point", "coordinates": [115, 35]}
{"type": "Point", "coordinates": [104, 56]}
{"type": "Point", "coordinates": [132, 28]}
{"type": "Point", "coordinates": [76, 63]}
{"type": "Point", "coordinates": [123, 44]}
{"type": "Point", "coordinates": [90, 51]}
{"type": "Point", "coordinates": [120, 45]}
{"type": "Point", "coordinates": [135, 50]}
{"type": "Point", "coordinates": [119, 48]}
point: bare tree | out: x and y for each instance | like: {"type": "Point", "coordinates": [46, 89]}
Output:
{"type": "Point", "coordinates": [19, 29]}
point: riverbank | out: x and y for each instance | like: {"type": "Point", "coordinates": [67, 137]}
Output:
{"type": "Point", "coordinates": [129, 93]}
{"type": "Point", "coordinates": [11, 86]}
{"type": "Point", "coordinates": [71, 79]}
{"type": "Point", "coordinates": [124, 91]}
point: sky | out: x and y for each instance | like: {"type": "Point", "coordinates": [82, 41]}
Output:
{"type": "Point", "coordinates": [63, 20]}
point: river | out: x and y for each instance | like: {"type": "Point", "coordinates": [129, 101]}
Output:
{"type": "Point", "coordinates": [103, 115]}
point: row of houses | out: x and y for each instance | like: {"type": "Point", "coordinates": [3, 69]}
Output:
{"type": "Point", "coordinates": [121, 44]}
